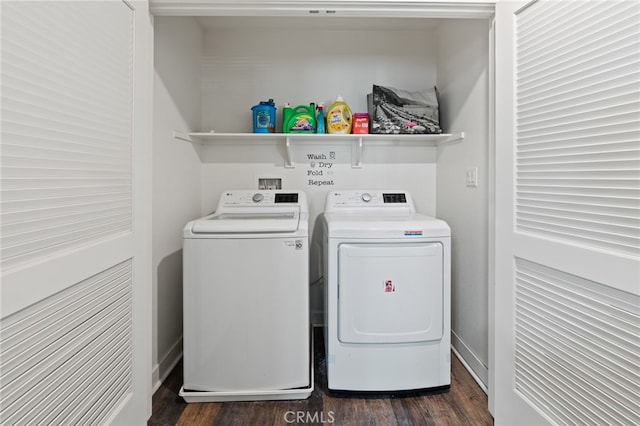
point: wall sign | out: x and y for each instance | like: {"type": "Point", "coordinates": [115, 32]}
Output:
{"type": "Point", "coordinates": [320, 171]}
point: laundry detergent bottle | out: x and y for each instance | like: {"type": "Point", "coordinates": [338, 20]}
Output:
{"type": "Point", "coordinates": [339, 118]}
{"type": "Point", "coordinates": [320, 126]}
{"type": "Point", "coordinates": [264, 117]}
{"type": "Point", "coordinates": [287, 112]}
{"type": "Point", "coordinates": [301, 119]}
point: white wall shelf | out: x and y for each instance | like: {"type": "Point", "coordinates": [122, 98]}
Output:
{"type": "Point", "coordinates": [289, 140]}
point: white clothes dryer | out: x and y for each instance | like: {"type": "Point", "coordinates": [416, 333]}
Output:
{"type": "Point", "coordinates": [387, 294]}
{"type": "Point", "coordinates": [246, 299]}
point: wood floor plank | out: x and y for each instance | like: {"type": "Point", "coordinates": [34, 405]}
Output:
{"type": "Point", "coordinates": [464, 404]}
{"type": "Point", "coordinates": [353, 411]}
{"type": "Point", "coordinates": [401, 412]}
{"type": "Point", "coordinates": [199, 414]}
{"type": "Point", "coordinates": [467, 395]}
{"type": "Point", "coordinates": [240, 414]}
{"type": "Point", "coordinates": [167, 406]}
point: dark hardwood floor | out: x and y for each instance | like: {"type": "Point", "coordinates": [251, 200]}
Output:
{"type": "Point", "coordinates": [464, 404]}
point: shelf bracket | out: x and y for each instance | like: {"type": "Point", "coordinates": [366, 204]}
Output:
{"type": "Point", "coordinates": [356, 154]}
{"type": "Point", "coordinates": [288, 161]}
{"type": "Point", "coordinates": [182, 136]}
{"type": "Point", "coordinates": [454, 137]}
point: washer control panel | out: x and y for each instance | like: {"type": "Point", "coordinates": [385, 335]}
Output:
{"type": "Point", "coordinates": [250, 198]}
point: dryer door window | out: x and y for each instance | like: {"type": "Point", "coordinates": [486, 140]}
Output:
{"type": "Point", "coordinates": [390, 293]}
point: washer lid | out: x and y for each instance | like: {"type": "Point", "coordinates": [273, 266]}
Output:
{"type": "Point", "coordinates": [244, 222]}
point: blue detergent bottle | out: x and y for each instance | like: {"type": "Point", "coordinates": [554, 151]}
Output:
{"type": "Point", "coordinates": [320, 120]}
{"type": "Point", "coordinates": [264, 117]}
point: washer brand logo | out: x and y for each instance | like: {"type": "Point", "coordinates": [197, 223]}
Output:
{"type": "Point", "coordinates": [412, 233]}
{"type": "Point", "coordinates": [298, 244]}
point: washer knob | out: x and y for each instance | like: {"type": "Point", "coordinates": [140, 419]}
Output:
{"type": "Point", "coordinates": [366, 197]}
{"type": "Point", "coordinates": [257, 197]}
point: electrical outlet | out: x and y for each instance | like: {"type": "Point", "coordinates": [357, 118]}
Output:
{"type": "Point", "coordinates": [472, 177]}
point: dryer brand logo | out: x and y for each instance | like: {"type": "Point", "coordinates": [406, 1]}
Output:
{"type": "Point", "coordinates": [413, 233]}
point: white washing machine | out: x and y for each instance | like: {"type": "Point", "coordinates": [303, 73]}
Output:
{"type": "Point", "coordinates": [246, 299]}
{"type": "Point", "coordinates": [387, 294]}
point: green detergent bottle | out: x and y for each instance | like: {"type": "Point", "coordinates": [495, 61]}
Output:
{"type": "Point", "coordinates": [301, 119]}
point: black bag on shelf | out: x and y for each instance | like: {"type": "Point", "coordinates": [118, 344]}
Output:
{"type": "Point", "coordinates": [394, 111]}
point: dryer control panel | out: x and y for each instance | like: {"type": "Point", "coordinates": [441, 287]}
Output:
{"type": "Point", "coordinates": [361, 200]}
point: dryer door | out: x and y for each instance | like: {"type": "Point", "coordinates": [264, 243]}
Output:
{"type": "Point", "coordinates": [390, 293]}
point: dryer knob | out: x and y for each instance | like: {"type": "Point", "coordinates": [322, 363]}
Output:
{"type": "Point", "coordinates": [257, 197]}
{"type": "Point", "coordinates": [366, 197]}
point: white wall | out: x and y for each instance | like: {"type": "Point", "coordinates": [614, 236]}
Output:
{"type": "Point", "coordinates": [463, 85]}
{"type": "Point", "coordinates": [176, 177]}
{"type": "Point", "coordinates": [293, 61]}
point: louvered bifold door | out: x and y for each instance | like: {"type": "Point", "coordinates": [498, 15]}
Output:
{"type": "Point", "coordinates": [568, 213]}
{"type": "Point", "coordinates": [68, 229]}
{"type": "Point", "coordinates": [578, 113]}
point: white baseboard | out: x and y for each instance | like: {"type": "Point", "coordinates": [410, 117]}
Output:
{"type": "Point", "coordinates": [470, 361]}
{"type": "Point", "coordinates": [166, 365]}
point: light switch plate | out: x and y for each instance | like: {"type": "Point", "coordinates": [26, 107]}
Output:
{"type": "Point", "coordinates": [472, 177]}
